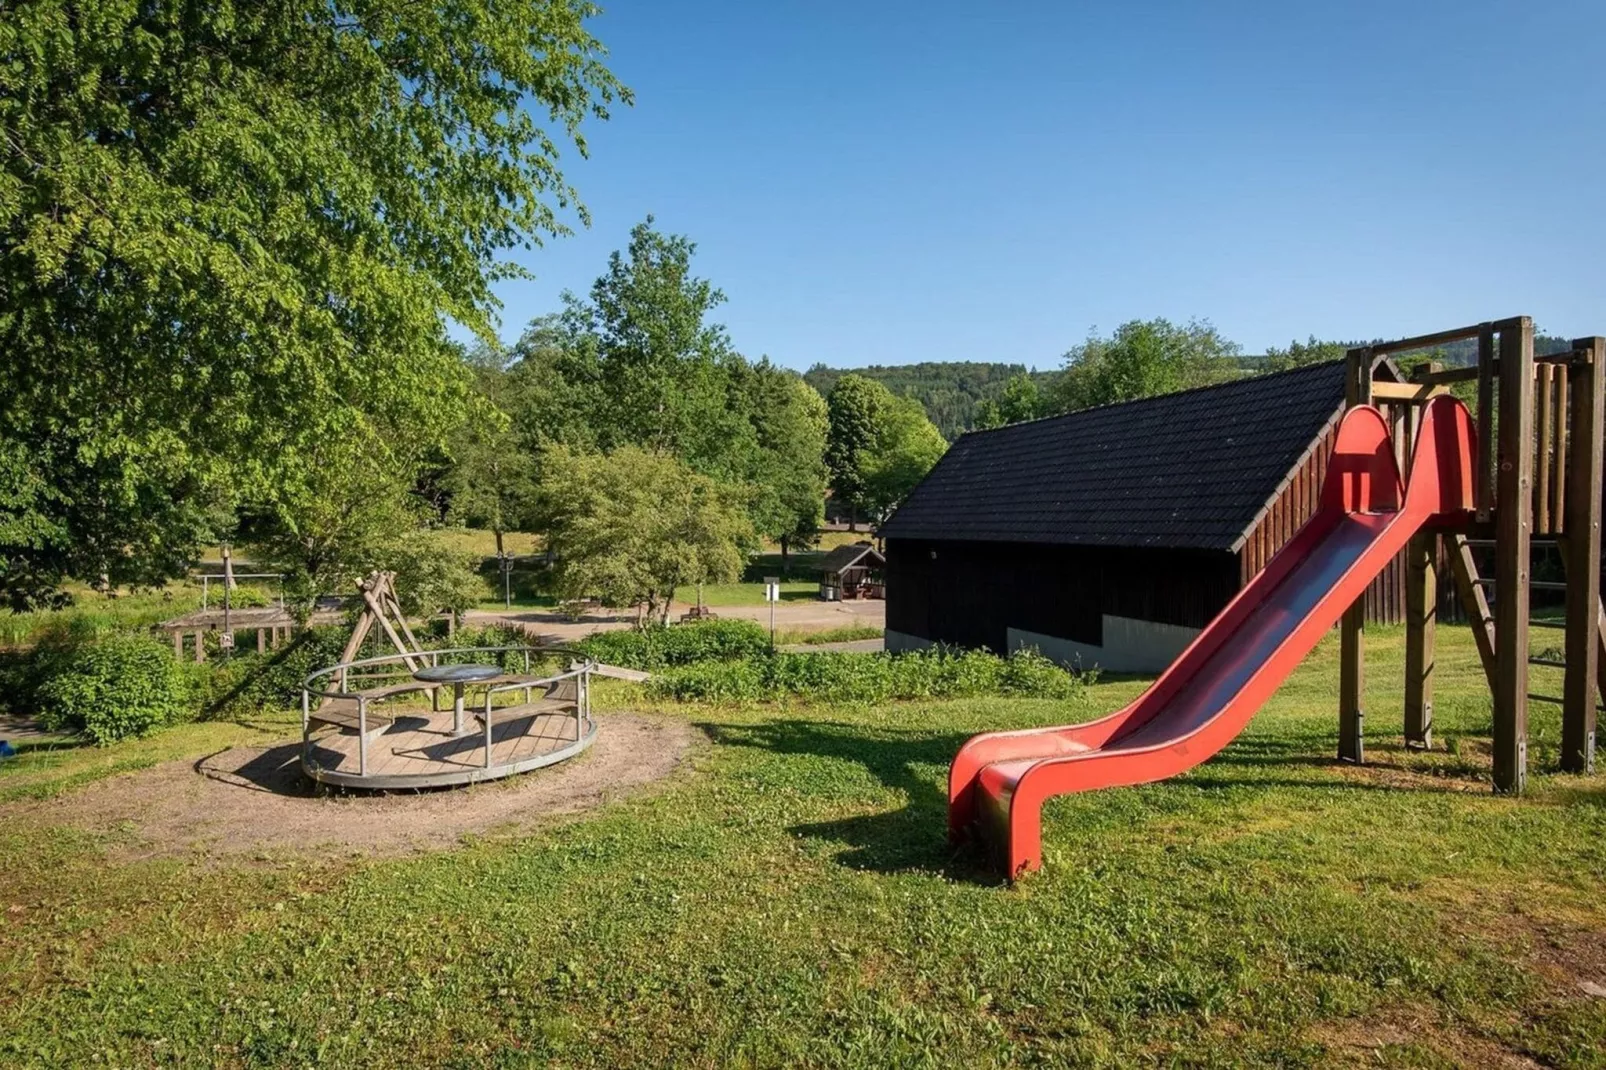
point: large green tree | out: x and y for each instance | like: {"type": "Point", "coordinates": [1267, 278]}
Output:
{"type": "Point", "coordinates": [663, 368]}
{"type": "Point", "coordinates": [787, 470]}
{"type": "Point", "coordinates": [490, 481]}
{"type": "Point", "coordinates": [229, 232]}
{"type": "Point", "coordinates": [630, 526]}
{"type": "Point", "coordinates": [1141, 359]}
{"type": "Point", "coordinates": [853, 411]}
{"type": "Point", "coordinates": [878, 445]}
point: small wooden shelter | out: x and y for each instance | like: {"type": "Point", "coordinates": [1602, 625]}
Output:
{"type": "Point", "coordinates": [853, 571]}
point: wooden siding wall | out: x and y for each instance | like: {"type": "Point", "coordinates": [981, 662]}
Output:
{"type": "Point", "coordinates": [972, 593]}
{"type": "Point", "coordinates": [1385, 598]}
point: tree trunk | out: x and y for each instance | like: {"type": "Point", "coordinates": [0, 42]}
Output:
{"type": "Point", "coordinates": [784, 575]}
{"type": "Point", "coordinates": [498, 533]}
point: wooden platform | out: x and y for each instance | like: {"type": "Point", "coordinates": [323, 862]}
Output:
{"type": "Point", "coordinates": [419, 750]}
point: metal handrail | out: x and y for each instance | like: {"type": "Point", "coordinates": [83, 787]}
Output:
{"type": "Point", "coordinates": [434, 656]}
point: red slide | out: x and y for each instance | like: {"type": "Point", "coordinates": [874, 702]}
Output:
{"type": "Point", "coordinates": [999, 780]}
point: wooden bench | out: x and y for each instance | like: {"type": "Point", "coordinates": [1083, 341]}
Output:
{"type": "Point", "coordinates": [342, 712]}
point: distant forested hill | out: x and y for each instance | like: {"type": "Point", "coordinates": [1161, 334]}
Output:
{"type": "Point", "coordinates": [949, 390]}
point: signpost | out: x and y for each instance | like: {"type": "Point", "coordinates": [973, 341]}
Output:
{"type": "Point", "coordinates": [772, 595]}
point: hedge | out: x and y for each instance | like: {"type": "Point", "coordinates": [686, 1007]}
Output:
{"type": "Point", "coordinates": [120, 685]}
{"type": "Point", "coordinates": [660, 647]}
{"type": "Point", "coordinates": [855, 677]}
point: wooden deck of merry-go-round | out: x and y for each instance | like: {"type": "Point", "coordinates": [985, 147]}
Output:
{"type": "Point", "coordinates": [431, 719]}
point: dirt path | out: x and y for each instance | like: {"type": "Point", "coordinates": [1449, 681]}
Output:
{"type": "Point", "coordinates": [254, 800]}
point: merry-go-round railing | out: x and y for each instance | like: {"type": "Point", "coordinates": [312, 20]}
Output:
{"type": "Point", "coordinates": [425, 752]}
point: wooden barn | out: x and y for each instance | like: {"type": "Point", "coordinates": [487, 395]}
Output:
{"type": "Point", "coordinates": [1110, 536]}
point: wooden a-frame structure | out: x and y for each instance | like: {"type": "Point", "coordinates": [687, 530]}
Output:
{"type": "Point", "coordinates": [1540, 423]}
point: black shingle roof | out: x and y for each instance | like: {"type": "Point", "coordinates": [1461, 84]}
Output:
{"type": "Point", "coordinates": [1191, 469]}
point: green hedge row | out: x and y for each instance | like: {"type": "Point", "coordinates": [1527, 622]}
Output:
{"type": "Point", "coordinates": [848, 677]}
{"type": "Point", "coordinates": [658, 648]}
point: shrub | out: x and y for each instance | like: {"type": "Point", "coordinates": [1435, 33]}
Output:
{"type": "Point", "coordinates": [665, 646]}
{"type": "Point", "coordinates": [123, 684]}
{"type": "Point", "coordinates": [847, 677]}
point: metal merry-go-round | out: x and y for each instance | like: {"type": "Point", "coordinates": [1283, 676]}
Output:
{"type": "Point", "coordinates": [532, 706]}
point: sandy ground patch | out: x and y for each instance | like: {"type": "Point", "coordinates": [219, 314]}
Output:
{"type": "Point", "coordinates": [254, 800]}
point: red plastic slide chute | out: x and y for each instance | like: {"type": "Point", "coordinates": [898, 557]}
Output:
{"type": "Point", "coordinates": [999, 780]}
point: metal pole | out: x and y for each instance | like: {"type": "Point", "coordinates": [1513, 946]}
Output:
{"type": "Point", "coordinates": [362, 735]}
{"type": "Point", "coordinates": [487, 728]}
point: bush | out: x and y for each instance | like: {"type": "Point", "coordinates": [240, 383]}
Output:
{"type": "Point", "coordinates": [842, 677]}
{"type": "Point", "coordinates": [659, 647]}
{"type": "Point", "coordinates": [124, 684]}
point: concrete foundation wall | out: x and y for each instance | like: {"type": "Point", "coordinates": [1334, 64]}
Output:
{"type": "Point", "coordinates": [1129, 645]}
{"type": "Point", "coordinates": [897, 642]}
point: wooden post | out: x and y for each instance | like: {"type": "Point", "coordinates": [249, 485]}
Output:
{"type": "Point", "coordinates": [1485, 480]}
{"type": "Point", "coordinates": [1352, 652]}
{"type": "Point", "coordinates": [178, 645]}
{"type": "Point", "coordinates": [1582, 554]}
{"type": "Point", "coordinates": [262, 641]}
{"type": "Point", "coordinates": [1421, 618]}
{"type": "Point", "coordinates": [1542, 471]}
{"type": "Point", "coordinates": [1558, 448]}
{"type": "Point", "coordinates": [1513, 531]}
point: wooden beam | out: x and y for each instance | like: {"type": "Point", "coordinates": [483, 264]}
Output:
{"type": "Point", "coordinates": [1558, 447]}
{"type": "Point", "coordinates": [1409, 392]}
{"type": "Point", "coordinates": [1352, 630]}
{"type": "Point", "coordinates": [1421, 619]}
{"type": "Point", "coordinates": [1486, 449]}
{"type": "Point", "coordinates": [1582, 554]}
{"type": "Point", "coordinates": [1542, 473]}
{"type": "Point", "coordinates": [1474, 602]}
{"type": "Point", "coordinates": [1513, 534]}
{"type": "Point", "coordinates": [1425, 341]}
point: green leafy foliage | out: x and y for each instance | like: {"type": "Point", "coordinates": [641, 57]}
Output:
{"type": "Point", "coordinates": [117, 686]}
{"type": "Point", "coordinates": [849, 677]}
{"type": "Point", "coordinates": [1299, 354]}
{"type": "Point", "coordinates": [433, 577]}
{"type": "Point", "coordinates": [639, 363]}
{"type": "Point", "coordinates": [656, 648]}
{"type": "Point", "coordinates": [878, 445]}
{"type": "Point", "coordinates": [955, 394]}
{"type": "Point", "coordinates": [229, 233]}
{"type": "Point", "coordinates": [1022, 399]}
{"type": "Point", "coordinates": [1141, 359]}
{"type": "Point", "coordinates": [630, 526]}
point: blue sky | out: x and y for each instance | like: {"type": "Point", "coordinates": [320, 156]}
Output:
{"type": "Point", "coordinates": [887, 183]}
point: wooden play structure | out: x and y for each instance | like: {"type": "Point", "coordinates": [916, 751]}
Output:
{"type": "Point", "coordinates": [1538, 477]}
{"type": "Point", "coordinates": [1411, 466]}
{"type": "Point", "coordinates": [535, 714]}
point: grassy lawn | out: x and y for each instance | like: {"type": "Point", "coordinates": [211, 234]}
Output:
{"type": "Point", "coordinates": [790, 900]}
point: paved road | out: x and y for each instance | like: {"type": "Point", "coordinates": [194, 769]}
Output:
{"type": "Point", "coordinates": [810, 615]}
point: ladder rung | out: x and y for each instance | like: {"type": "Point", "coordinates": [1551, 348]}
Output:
{"type": "Point", "coordinates": [1532, 538]}
{"type": "Point", "coordinates": [1544, 698]}
{"type": "Point", "coordinates": [1542, 585]}
{"type": "Point", "coordinates": [1550, 662]}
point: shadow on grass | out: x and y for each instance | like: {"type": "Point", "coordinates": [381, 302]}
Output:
{"type": "Point", "coordinates": [914, 838]}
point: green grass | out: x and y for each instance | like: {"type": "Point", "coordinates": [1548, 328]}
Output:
{"type": "Point", "coordinates": [126, 610]}
{"type": "Point", "coordinates": [792, 901]}
{"type": "Point", "coordinates": [746, 594]}
{"type": "Point", "coordinates": [847, 633]}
